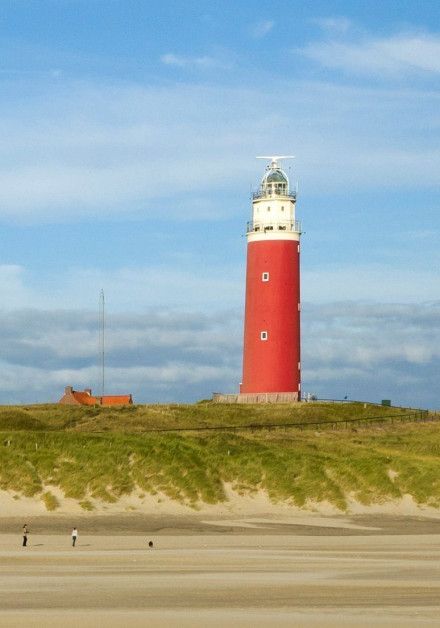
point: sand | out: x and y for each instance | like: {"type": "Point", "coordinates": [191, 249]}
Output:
{"type": "Point", "coordinates": [261, 570]}
{"type": "Point", "coordinates": [235, 504]}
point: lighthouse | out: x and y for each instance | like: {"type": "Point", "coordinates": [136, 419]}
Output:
{"type": "Point", "coordinates": [271, 353]}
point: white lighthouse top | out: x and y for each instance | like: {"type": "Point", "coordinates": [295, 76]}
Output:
{"type": "Point", "coordinates": [273, 206]}
{"type": "Point", "coordinates": [275, 180]}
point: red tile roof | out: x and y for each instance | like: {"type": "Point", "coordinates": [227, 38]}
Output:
{"type": "Point", "coordinates": [116, 400]}
{"type": "Point", "coordinates": [85, 398]}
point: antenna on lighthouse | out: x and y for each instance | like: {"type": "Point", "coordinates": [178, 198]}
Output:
{"type": "Point", "coordinates": [102, 339]}
{"type": "Point", "coordinates": [274, 159]}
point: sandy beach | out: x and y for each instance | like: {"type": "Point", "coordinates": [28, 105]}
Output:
{"type": "Point", "coordinates": [303, 570]}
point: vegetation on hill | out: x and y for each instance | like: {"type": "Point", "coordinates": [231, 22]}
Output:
{"type": "Point", "coordinates": [45, 446]}
{"type": "Point", "coordinates": [141, 418]}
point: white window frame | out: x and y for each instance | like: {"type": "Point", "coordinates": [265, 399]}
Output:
{"type": "Point", "coordinates": [265, 276]}
{"type": "Point", "coordinates": [264, 335]}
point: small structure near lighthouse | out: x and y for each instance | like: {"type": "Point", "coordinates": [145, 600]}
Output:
{"type": "Point", "coordinates": [85, 398]}
{"type": "Point", "coordinates": [271, 353]}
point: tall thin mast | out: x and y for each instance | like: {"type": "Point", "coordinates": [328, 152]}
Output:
{"type": "Point", "coordinates": [102, 339]}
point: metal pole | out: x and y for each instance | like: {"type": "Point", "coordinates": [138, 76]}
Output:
{"type": "Point", "coordinates": [102, 339]}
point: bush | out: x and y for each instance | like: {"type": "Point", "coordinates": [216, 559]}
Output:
{"type": "Point", "coordinates": [50, 501]}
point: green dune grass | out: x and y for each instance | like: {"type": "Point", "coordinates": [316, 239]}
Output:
{"type": "Point", "coordinates": [139, 418]}
{"type": "Point", "coordinates": [63, 449]}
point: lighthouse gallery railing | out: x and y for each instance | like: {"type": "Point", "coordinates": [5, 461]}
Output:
{"type": "Point", "coordinates": [273, 193]}
{"type": "Point", "coordinates": [290, 225]}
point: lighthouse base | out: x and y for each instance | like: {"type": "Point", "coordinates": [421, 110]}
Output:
{"type": "Point", "coordinates": [281, 397]}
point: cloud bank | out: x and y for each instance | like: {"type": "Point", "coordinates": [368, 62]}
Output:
{"type": "Point", "coordinates": [373, 351]}
{"type": "Point", "coordinates": [366, 351]}
{"type": "Point", "coordinates": [157, 356]}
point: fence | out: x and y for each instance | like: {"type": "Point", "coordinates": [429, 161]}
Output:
{"type": "Point", "coordinates": [414, 416]}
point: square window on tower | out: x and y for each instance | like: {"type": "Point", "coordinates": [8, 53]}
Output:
{"type": "Point", "coordinates": [264, 276]}
{"type": "Point", "coordinates": [264, 335]}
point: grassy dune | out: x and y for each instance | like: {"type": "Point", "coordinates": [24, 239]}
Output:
{"type": "Point", "coordinates": [136, 419]}
{"type": "Point", "coordinates": [46, 445]}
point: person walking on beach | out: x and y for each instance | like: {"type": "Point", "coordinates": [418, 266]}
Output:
{"type": "Point", "coordinates": [25, 535]}
{"type": "Point", "coordinates": [74, 536]}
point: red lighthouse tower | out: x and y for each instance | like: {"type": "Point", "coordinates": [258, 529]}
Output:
{"type": "Point", "coordinates": [271, 356]}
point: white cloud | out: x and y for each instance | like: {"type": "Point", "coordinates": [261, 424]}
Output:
{"type": "Point", "coordinates": [172, 59]}
{"type": "Point", "coordinates": [395, 55]}
{"type": "Point", "coordinates": [261, 29]}
{"type": "Point", "coordinates": [335, 25]}
{"type": "Point", "coordinates": [203, 62]}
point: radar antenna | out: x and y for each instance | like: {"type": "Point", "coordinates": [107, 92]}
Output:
{"type": "Point", "coordinates": [275, 158]}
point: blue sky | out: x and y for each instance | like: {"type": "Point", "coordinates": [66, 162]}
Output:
{"type": "Point", "coordinates": [128, 136]}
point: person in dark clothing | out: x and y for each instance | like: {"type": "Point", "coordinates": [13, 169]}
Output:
{"type": "Point", "coordinates": [25, 535]}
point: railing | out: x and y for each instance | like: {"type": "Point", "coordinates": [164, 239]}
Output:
{"type": "Point", "coordinates": [289, 225]}
{"type": "Point", "coordinates": [269, 194]}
